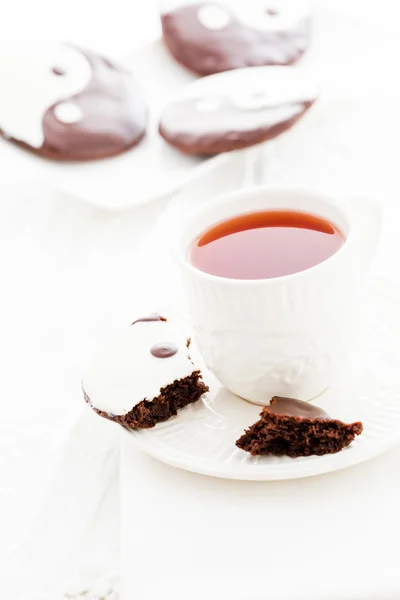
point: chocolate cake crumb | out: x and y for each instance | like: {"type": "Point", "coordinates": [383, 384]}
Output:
{"type": "Point", "coordinates": [294, 436]}
{"type": "Point", "coordinates": [148, 413]}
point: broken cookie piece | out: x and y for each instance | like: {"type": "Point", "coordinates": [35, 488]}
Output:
{"type": "Point", "coordinates": [290, 427]}
{"type": "Point", "coordinates": [143, 376]}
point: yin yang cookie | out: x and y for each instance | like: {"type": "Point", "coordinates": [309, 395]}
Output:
{"type": "Point", "coordinates": [237, 109]}
{"type": "Point", "coordinates": [210, 37]}
{"type": "Point", "coordinates": [66, 103]}
{"type": "Point", "coordinates": [144, 375]}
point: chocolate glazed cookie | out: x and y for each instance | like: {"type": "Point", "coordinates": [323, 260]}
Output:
{"type": "Point", "coordinates": [236, 110]}
{"type": "Point", "coordinates": [144, 375]}
{"type": "Point", "coordinates": [210, 37]}
{"type": "Point", "coordinates": [76, 104]}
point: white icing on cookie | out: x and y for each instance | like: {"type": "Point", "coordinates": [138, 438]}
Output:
{"type": "Point", "coordinates": [213, 17]}
{"type": "Point", "coordinates": [252, 101]}
{"type": "Point", "coordinates": [273, 98]}
{"type": "Point", "coordinates": [29, 86]}
{"type": "Point", "coordinates": [68, 112]}
{"type": "Point", "coordinates": [125, 372]}
{"type": "Point", "coordinates": [208, 104]}
{"type": "Point", "coordinates": [255, 88]}
{"type": "Point", "coordinates": [276, 15]}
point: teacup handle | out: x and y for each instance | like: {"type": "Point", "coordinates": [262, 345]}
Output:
{"type": "Point", "coordinates": [368, 227]}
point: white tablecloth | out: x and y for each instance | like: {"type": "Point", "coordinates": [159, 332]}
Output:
{"type": "Point", "coordinates": [65, 281]}
{"type": "Point", "coordinates": [332, 537]}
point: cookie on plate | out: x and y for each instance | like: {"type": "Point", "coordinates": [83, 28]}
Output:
{"type": "Point", "coordinates": [143, 376]}
{"type": "Point", "coordinates": [210, 37]}
{"type": "Point", "coordinates": [66, 103]}
{"type": "Point", "coordinates": [237, 109]}
{"type": "Point", "coordinates": [295, 428]}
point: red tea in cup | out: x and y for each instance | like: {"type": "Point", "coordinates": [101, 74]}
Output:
{"type": "Point", "coordinates": [265, 244]}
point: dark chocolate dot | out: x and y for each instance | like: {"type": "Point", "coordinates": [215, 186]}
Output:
{"type": "Point", "coordinates": [150, 317]}
{"type": "Point", "coordinates": [58, 71]}
{"type": "Point", "coordinates": [164, 349]}
{"type": "Point", "coordinates": [295, 408]}
{"type": "Point", "coordinates": [272, 12]}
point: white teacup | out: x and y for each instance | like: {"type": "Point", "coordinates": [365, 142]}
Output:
{"type": "Point", "coordinates": [289, 335]}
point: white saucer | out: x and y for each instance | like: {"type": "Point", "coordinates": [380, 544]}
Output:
{"type": "Point", "coordinates": [202, 437]}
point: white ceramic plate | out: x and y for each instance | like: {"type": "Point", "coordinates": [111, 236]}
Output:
{"type": "Point", "coordinates": [202, 437]}
{"type": "Point", "coordinates": [153, 169]}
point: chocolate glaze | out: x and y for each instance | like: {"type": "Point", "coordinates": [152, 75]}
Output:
{"type": "Point", "coordinates": [295, 408]}
{"type": "Point", "coordinates": [114, 116]}
{"type": "Point", "coordinates": [58, 71]}
{"type": "Point", "coordinates": [207, 51]}
{"type": "Point", "coordinates": [152, 317]}
{"type": "Point", "coordinates": [164, 349]}
{"type": "Point", "coordinates": [229, 127]}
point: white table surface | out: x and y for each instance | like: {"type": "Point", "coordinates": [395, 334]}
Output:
{"type": "Point", "coordinates": [333, 537]}
{"type": "Point", "coordinates": [65, 281]}
{"type": "Point", "coordinates": [64, 284]}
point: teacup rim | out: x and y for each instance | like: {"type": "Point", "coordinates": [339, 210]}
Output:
{"type": "Point", "coordinates": [227, 197]}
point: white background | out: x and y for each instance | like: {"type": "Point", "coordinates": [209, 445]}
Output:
{"type": "Point", "coordinates": [39, 230]}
